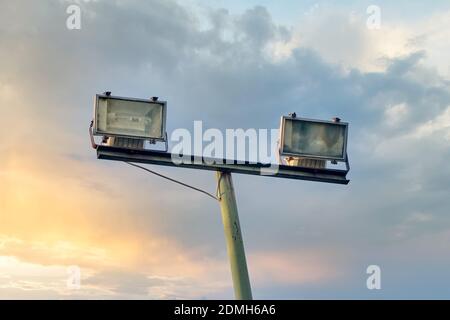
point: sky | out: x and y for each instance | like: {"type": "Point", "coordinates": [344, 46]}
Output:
{"type": "Point", "coordinates": [231, 64]}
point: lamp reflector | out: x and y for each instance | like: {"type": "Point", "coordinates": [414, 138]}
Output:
{"type": "Point", "coordinates": [127, 117]}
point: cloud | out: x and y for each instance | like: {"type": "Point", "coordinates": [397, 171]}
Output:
{"type": "Point", "coordinates": [396, 113]}
{"type": "Point", "coordinates": [293, 267]}
{"type": "Point", "coordinates": [440, 124]}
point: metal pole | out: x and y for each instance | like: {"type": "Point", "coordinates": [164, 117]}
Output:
{"type": "Point", "coordinates": [233, 235]}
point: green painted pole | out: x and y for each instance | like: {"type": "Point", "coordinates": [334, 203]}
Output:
{"type": "Point", "coordinates": [233, 236]}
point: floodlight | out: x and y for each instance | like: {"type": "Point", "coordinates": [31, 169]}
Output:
{"type": "Point", "coordinates": [130, 118]}
{"type": "Point", "coordinates": [314, 139]}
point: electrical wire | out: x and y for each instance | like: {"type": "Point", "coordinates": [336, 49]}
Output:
{"type": "Point", "coordinates": [176, 181]}
{"type": "Point", "coordinates": [218, 198]}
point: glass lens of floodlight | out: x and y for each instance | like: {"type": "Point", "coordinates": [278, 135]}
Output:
{"type": "Point", "coordinates": [130, 118]}
{"type": "Point", "coordinates": [303, 138]}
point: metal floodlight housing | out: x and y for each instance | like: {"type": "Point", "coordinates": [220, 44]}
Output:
{"type": "Point", "coordinates": [314, 139]}
{"type": "Point", "coordinates": [143, 119]}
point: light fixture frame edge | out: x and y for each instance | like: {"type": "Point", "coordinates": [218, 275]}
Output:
{"type": "Point", "coordinates": [163, 104]}
{"type": "Point", "coordinates": [282, 153]}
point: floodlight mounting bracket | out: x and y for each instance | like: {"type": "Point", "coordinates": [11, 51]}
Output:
{"type": "Point", "coordinates": [166, 142]}
{"type": "Point", "coordinates": [158, 157]}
